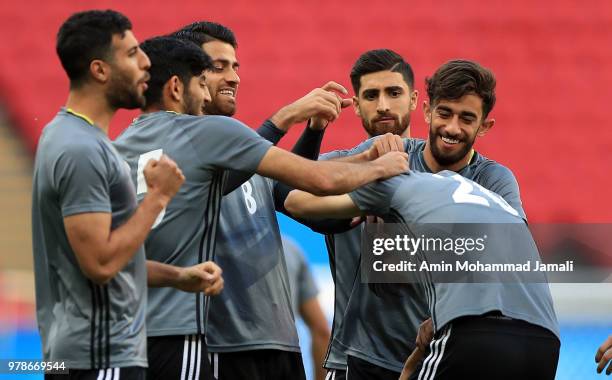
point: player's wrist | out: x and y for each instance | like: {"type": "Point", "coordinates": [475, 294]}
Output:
{"type": "Point", "coordinates": [317, 124]}
{"type": "Point", "coordinates": [284, 118]}
{"type": "Point", "coordinates": [156, 200]}
{"type": "Point", "coordinates": [378, 168]}
{"type": "Point", "coordinates": [181, 278]}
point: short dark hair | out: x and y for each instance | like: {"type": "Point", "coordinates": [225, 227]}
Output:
{"type": "Point", "coordinates": [170, 56]}
{"type": "Point", "coordinates": [201, 32]}
{"type": "Point", "coordinates": [373, 61]}
{"type": "Point", "coordinates": [86, 36]}
{"type": "Point", "coordinates": [458, 78]}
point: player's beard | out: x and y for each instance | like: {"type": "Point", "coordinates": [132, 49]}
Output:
{"type": "Point", "coordinates": [444, 159]}
{"type": "Point", "coordinates": [123, 92]}
{"type": "Point", "coordinates": [191, 105]}
{"type": "Point", "coordinates": [397, 128]}
{"type": "Point", "coordinates": [214, 107]}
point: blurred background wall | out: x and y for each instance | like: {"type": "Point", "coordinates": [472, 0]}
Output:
{"type": "Point", "coordinates": [551, 59]}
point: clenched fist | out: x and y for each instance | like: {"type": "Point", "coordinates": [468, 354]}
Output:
{"type": "Point", "coordinates": [392, 164]}
{"type": "Point", "coordinates": [384, 144]}
{"type": "Point", "coordinates": [164, 178]}
{"type": "Point", "coordinates": [205, 277]}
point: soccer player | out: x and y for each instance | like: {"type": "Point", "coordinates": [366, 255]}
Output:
{"type": "Point", "coordinates": [374, 331]}
{"type": "Point", "coordinates": [604, 356]}
{"type": "Point", "coordinates": [502, 330]}
{"type": "Point", "coordinates": [304, 302]}
{"type": "Point", "coordinates": [204, 146]}
{"type": "Point", "coordinates": [384, 101]}
{"type": "Point", "coordinates": [87, 228]}
{"type": "Point", "coordinates": [249, 247]}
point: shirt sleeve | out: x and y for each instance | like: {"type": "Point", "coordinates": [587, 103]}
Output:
{"type": "Point", "coordinates": [81, 178]}
{"type": "Point", "coordinates": [501, 180]}
{"type": "Point", "coordinates": [348, 152]}
{"type": "Point", "coordinates": [409, 144]}
{"type": "Point", "coordinates": [375, 197]}
{"type": "Point", "coordinates": [226, 143]}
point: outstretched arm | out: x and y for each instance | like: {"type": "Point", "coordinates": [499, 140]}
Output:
{"type": "Point", "coordinates": [305, 205]}
{"type": "Point", "coordinates": [326, 178]}
{"type": "Point", "coordinates": [319, 107]}
{"type": "Point", "coordinates": [235, 178]}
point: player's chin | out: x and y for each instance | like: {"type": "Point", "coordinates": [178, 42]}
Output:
{"type": "Point", "coordinates": [228, 108]}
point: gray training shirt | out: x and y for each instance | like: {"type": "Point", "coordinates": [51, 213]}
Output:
{"type": "Point", "coordinates": [377, 330]}
{"type": "Point", "coordinates": [85, 325]}
{"type": "Point", "coordinates": [184, 234]}
{"type": "Point", "coordinates": [254, 310]}
{"type": "Point", "coordinates": [424, 202]}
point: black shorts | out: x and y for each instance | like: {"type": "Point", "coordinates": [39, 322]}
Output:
{"type": "Point", "coordinates": [335, 374]}
{"type": "Point", "coordinates": [178, 357]}
{"type": "Point", "coordinates": [358, 369]}
{"type": "Point", "coordinates": [124, 373]}
{"type": "Point", "coordinates": [491, 347]}
{"type": "Point", "coordinates": [258, 365]}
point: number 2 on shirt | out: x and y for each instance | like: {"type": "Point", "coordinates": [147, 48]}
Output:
{"type": "Point", "coordinates": [463, 194]}
{"type": "Point", "coordinates": [142, 183]}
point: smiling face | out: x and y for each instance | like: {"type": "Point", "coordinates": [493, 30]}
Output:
{"type": "Point", "coordinates": [453, 128]}
{"type": "Point", "coordinates": [384, 103]}
{"type": "Point", "coordinates": [223, 79]}
{"type": "Point", "coordinates": [129, 73]}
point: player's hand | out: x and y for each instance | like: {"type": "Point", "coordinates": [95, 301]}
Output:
{"type": "Point", "coordinates": [384, 144]}
{"type": "Point", "coordinates": [164, 178]}
{"type": "Point", "coordinates": [320, 106]}
{"type": "Point", "coordinates": [392, 164]}
{"type": "Point", "coordinates": [603, 357]}
{"type": "Point", "coordinates": [205, 277]}
{"type": "Point", "coordinates": [425, 334]}
{"type": "Point", "coordinates": [320, 121]}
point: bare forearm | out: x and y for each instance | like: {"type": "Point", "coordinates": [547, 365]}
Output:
{"type": "Point", "coordinates": [345, 177]}
{"type": "Point", "coordinates": [124, 241]}
{"type": "Point", "coordinates": [162, 275]}
{"type": "Point", "coordinates": [318, 350]}
{"type": "Point", "coordinates": [355, 158]}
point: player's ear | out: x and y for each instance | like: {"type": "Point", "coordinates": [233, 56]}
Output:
{"type": "Point", "coordinates": [414, 100]}
{"type": "Point", "coordinates": [356, 106]}
{"type": "Point", "coordinates": [427, 112]}
{"type": "Point", "coordinates": [99, 70]}
{"type": "Point", "coordinates": [175, 88]}
{"type": "Point", "coordinates": [485, 127]}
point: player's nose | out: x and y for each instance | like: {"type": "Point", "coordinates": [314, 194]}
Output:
{"type": "Point", "coordinates": [383, 105]}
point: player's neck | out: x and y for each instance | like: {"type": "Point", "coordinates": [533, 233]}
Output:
{"type": "Point", "coordinates": [165, 105]}
{"type": "Point", "coordinates": [435, 167]}
{"type": "Point", "coordinates": [90, 105]}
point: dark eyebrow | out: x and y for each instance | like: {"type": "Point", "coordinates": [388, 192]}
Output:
{"type": "Point", "coordinates": [468, 114]}
{"type": "Point", "coordinates": [226, 62]}
{"type": "Point", "coordinates": [463, 114]}
{"type": "Point", "coordinates": [394, 88]}
{"type": "Point", "coordinates": [370, 91]}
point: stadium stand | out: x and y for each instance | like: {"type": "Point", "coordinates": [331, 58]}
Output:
{"type": "Point", "coordinates": [551, 59]}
